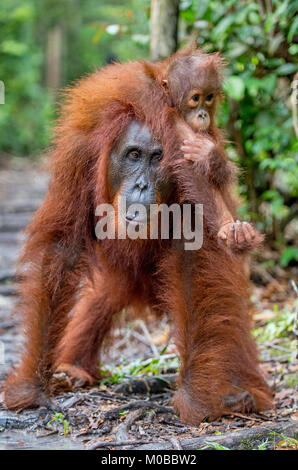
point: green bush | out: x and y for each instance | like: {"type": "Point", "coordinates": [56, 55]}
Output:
{"type": "Point", "coordinates": [28, 107]}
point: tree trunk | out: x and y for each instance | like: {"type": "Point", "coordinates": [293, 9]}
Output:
{"type": "Point", "coordinates": [163, 28]}
{"type": "Point", "coordinates": [54, 56]}
{"type": "Point", "coordinates": [2, 92]}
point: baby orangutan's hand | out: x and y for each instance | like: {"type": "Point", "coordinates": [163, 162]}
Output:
{"type": "Point", "coordinates": [198, 149]}
{"type": "Point", "coordinates": [240, 236]}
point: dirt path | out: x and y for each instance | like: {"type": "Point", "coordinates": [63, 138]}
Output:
{"type": "Point", "coordinates": [137, 414]}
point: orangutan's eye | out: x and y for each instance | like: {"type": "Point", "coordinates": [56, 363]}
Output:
{"type": "Point", "coordinates": [196, 98]}
{"type": "Point", "coordinates": [133, 155]}
{"type": "Point", "coordinates": [157, 156]}
{"type": "Point", "coordinates": [209, 98]}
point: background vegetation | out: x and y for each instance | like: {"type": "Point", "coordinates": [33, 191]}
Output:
{"type": "Point", "coordinates": [46, 44]}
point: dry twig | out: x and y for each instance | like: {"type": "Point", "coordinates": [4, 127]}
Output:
{"type": "Point", "coordinates": [114, 413]}
{"type": "Point", "coordinates": [123, 429]}
{"type": "Point", "coordinates": [99, 444]}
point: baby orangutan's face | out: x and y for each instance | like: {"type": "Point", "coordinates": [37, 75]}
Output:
{"type": "Point", "coordinates": [194, 83]}
{"type": "Point", "coordinates": [196, 109]}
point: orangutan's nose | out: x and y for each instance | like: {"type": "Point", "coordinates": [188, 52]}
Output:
{"type": "Point", "coordinates": [202, 114]}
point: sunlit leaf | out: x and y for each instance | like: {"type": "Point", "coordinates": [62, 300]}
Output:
{"type": "Point", "coordinates": [289, 254]}
{"type": "Point", "coordinates": [286, 69]}
{"type": "Point", "coordinates": [234, 86]}
{"type": "Point", "coordinates": [293, 29]}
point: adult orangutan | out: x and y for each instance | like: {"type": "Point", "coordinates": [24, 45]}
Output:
{"type": "Point", "coordinates": [73, 285]}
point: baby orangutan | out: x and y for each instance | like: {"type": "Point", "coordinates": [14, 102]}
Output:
{"type": "Point", "coordinates": [193, 85]}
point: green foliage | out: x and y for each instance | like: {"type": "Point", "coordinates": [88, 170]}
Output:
{"type": "Point", "coordinates": [281, 326]}
{"type": "Point", "coordinates": [217, 446]}
{"type": "Point", "coordinates": [289, 254]}
{"type": "Point", "coordinates": [264, 445]}
{"type": "Point", "coordinates": [28, 107]}
{"type": "Point", "coordinates": [88, 41]}
{"type": "Point", "coordinates": [139, 368]}
{"type": "Point", "coordinates": [285, 441]}
{"type": "Point", "coordinates": [58, 417]}
{"type": "Point", "coordinates": [235, 87]}
{"type": "Point", "coordinates": [214, 445]}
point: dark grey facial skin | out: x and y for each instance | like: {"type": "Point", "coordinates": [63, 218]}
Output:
{"type": "Point", "coordinates": [134, 168]}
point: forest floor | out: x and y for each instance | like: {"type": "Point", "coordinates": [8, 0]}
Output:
{"type": "Point", "coordinates": [131, 407]}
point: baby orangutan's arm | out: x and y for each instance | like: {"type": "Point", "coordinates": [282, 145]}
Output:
{"type": "Point", "coordinates": [238, 236]}
{"type": "Point", "coordinates": [209, 159]}
{"type": "Point", "coordinates": [206, 154]}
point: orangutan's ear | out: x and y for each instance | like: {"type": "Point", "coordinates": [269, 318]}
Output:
{"type": "Point", "coordinates": [164, 84]}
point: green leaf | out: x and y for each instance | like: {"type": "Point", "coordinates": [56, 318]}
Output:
{"type": "Point", "coordinates": [293, 29]}
{"type": "Point", "coordinates": [275, 42]}
{"type": "Point", "coordinates": [289, 254]}
{"type": "Point", "coordinates": [236, 49]}
{"type": "Point", "coordinates": [286, 69]}
{"type": "Point", "coordinates": [223, 25]}
{"type": "Point", "coordinates": [188, 15]}
{"type": "Point", "coordinates": [141, 39]}
{"type": "Point", "coordinates": [13, 47]}
{"type": "Point", "coordinates": [214, 445]}
{"type": "Point", "coordinates": [293, 50]}
{"type": "Point", "coordinates": [201, 8]}
{"type": "Point", "coordinates": [234, 86]}
{"type": "Point", "coordinates": [254, 17]}
{"type": "Point", "coordinates": [269, 83]}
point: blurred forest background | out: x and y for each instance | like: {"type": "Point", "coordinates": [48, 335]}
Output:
{"type": "Point", "coordinates": [47, 44]}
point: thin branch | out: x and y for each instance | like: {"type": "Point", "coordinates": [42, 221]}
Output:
{"type": "Point", "coordinates": [176, 443]}
{"type": "Point", "coordinates": [99, 444]}
{"type": "Point", "coordinates": [268, 6]}
{"type": "Point", "coordinates": [295, 327]}
{"type": "Point", "coordinates": [261, 8]}
{"type": "Point", "coordinates": [114, 413]}
{"type": "Point", "coordinates": [279, 348]}
{"type": "Point", "coordinates": [148, 337]}
{"type": "Point", "coordinates": [294, 99]}
{"type": "Point", "coordinates": [123, 428]}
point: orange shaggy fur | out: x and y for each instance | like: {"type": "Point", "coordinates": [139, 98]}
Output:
{"type": "Point", "coordinates": [72, 285]}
